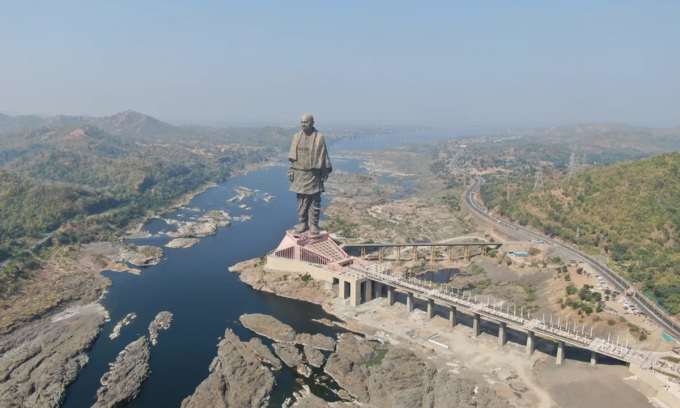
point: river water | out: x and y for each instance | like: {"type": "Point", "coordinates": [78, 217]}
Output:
{"type": "Point", "coordinates": [205, 299]}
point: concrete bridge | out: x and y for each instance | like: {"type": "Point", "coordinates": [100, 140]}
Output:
{"type": "Point", "coordinates": [484, 247]}
{"type": "Point", "coordinates": [360, 281]}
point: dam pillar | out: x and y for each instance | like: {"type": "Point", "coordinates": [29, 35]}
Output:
{"type": "Point", "coordinates": [476, 325]}
{"type": "Point", "coordinates": [452, 316]}
{"type": "Point", "coordinates": [355, 293]}
{"type": "Point", "coordinates": [390, 295]}
{"type": "Point", "coordinates": [593, 358]}
{"type": "Point", "coordinates": [560, 353]}
{"type": "Point", "coordinates": [430, 308]}
{"type": "Point", "coordinates": [531, 343]}
{"type": "Point", "coordinates": [502, 334]}
{"type": "Point", "coordinates": [409, 301]}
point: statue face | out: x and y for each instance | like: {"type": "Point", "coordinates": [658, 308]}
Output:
{"type": "Point", "coordinates": [307, 122]}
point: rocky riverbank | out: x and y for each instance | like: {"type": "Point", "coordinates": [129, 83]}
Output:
{"type": "Point", "coordinates": [141, 255]}
{"type": "Point", "coordinates": [237, 378]}
{"type": "Point", "coordinates": [124, 380]}
{"type": "Point", "coordinates": [282, 284]}
{"type": "Point", "coordinates": [39, 360]}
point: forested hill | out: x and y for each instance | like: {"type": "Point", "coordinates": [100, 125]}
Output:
{"type": "Point", "coordinates": [628, 210]}
{"type": "Point", "coordinates": [51, 175]}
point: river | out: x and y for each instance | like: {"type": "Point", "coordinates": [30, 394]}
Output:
{"type": "Point", "coordinates": [204, 297]}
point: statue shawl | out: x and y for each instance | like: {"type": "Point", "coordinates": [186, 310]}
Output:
{"type": "Point", "coordinates": [319, 159]}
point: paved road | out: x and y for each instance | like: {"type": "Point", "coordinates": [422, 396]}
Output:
{"type": "Point", "coordinates": [653, 312]}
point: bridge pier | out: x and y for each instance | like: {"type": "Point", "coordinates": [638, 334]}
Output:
{"type": "Point", "coordinates": [466, 253]}
{"type": "Point", "coordinates": [409, 301]}
{"type": "Point", "coordinates": [449, 253]}
{"type": "Point", "coordinates": [398, 255]}
{"type": "Point", "coordinates": [593, 358]}
{"type": "Point", "coordinates": [368, 290]}
{"type": "Point", "coordinates": [341, 289]}
{"type": "Point", "coordinates": [363, 253]}
{"type": "Point", "coordinates": [355, 293]}
{"type": "Point", "coordinates": [452, 316]}
{"type": "Point", "coordinates": [430, 308]}
{"type": "Point", "coordinates": [377, 290]}
{"type": "Point", "coordinates": [560, 352]}
{"type": "Point", "coordinates": [415, 253]}
{"type": "Point", "coordinates": [380, 254]}
{"type": "Point", "coordinates": [502, 333]}
{"type": "Point", "coordinates": [476, 325]}
{"type": "Point", "coordinates": [485, 249]}
{"type": "Point", "coordinates": [432, 254]}
{"type": "Point", "coordinates": [531, 343]}
{"type": "Point", "coordinates": [390, 295]}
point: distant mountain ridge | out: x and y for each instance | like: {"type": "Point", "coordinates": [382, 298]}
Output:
{"type": "Point", "coordinates": [127, 123]}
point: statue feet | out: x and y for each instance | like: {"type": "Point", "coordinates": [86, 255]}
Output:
{"type": "Point", "coordinates": [300, 228]}
{"type": "Point", "coordinates": [314, 229]}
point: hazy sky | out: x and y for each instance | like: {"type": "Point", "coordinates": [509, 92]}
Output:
{"type": "Point", "coordinates": [362, 62]}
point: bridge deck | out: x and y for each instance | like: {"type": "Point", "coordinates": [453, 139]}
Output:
{"type": "Point", "coordinates": [442, 294]}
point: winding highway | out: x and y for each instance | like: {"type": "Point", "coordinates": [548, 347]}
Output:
{"type": "Point", "coordinates": [637, 298]}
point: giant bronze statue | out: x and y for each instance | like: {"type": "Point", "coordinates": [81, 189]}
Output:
{"type": "Point", "coordinates": [309, 168]}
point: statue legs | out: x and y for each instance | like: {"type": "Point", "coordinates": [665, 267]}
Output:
{"type": "Point", "coordinates": [309, 209]}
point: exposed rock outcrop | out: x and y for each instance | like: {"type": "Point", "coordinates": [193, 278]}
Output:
{"type": "Point", "coordinates": [314, 357]}
{"type": "Point", "coordinates": [161, 322]}
{"type": "Point", "coordinates": [317, 340]}
{"type": "Point", "coordinates": [258, 347]}
{"type": "Point", "coordinates": [38, 361]}
{"type": "Point", "coordinates": [194, 230]}
{"type": "Point", "coordinates": [237, 379]}
{"type": "Point", "coordinates": [124, 322]}
{"type": "Point", "coordinates": [289, 353]}
{"type": "Point", "coordinates": [181, 243]}
{"type": "Point", "coordinates": [271, 327]}
{"type": "Point", "coordinates": [268, 326]}
{"type": "Point", "coordinates": [141, 255]}
{"type": "Point", "coordinates": [124, 380]}
{"type": "Point", "coordinates": [402, 379]}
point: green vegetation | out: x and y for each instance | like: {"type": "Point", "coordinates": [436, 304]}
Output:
{"type": "Point", "coordinates": [377, 360]}
{"type": "Point", "coordinates": [306, 277]}
{"type": "Point", "coordinates": [627, 210]}
{"type": "Point", "coordinates": [587, 301]}
{"type": "Point", "coordinates": [338, 225]}
{"type": "Point", "coordinates": [90, 185]}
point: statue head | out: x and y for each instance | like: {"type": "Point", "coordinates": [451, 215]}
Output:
{"type": "Point", "coordinates": [307, 122]}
